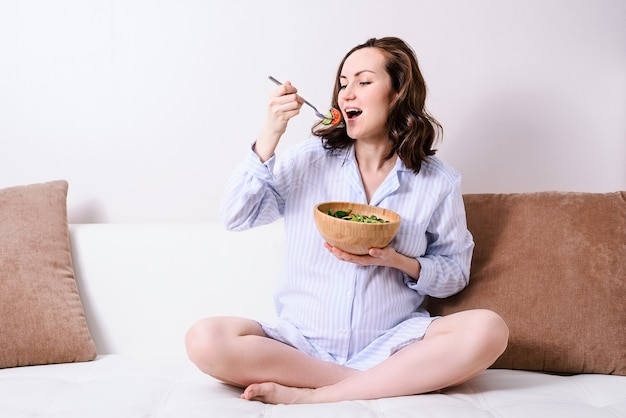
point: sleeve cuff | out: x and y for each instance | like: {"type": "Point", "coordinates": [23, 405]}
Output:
{"type": "Point", "coordinates": [428, 274]}
{"type": "Point", "coordinates": [256, 168]}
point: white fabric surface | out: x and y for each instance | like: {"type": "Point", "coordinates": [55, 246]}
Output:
{"type": "Point", "coordinates": [144, 284]}
{"type": "Point", "coordinates": [121, 386]}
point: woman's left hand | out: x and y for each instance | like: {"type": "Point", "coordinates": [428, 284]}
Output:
{"type": "Point", "coordinates": [387, 257]}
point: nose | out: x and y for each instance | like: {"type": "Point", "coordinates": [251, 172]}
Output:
{"type": "Point", "coordinates": [347, 93]}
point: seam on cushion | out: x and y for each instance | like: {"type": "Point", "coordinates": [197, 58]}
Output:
{"type": "Point", "coordinates": [377, 409]}
{"type": "Point", "coordinates": [591, 400]}
{"type": "Point", "coordinates": [166, 394]}
{"type": "Point", "coordinates": [614, 411]}
{"type": "Point", "coordinates": [482, 400]}
{"type": "Point", "coordinates": [70, 385]}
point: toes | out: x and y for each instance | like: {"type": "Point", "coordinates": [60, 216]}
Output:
{"type": "Point", "coordinates": [249, 393]}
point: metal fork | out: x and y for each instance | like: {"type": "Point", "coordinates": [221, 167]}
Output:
{"type": "Point", "coordinates": [317, 112]}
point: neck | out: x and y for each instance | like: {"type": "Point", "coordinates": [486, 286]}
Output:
{"type": "Point", "coordinates": [373, 167]}
{"type": "Point", "coordinates": [372, 157]}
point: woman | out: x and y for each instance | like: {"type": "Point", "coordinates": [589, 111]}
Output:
{"type": "Point", "coordinates": [354, 327]}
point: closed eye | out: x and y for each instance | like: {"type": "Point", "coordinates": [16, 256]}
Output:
{"type": "Point", "coordinates": [361, 83]}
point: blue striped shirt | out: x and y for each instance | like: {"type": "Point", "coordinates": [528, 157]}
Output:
{"type": "Point", "coordinates": [336, 308]}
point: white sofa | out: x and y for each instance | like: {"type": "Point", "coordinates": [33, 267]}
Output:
{"type": "Point", "coordinates": [143, 285]}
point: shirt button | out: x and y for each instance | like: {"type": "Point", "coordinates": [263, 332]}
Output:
{"type": "Point", "coordinates": [348, 293]}
{"type": "Point", "coordinates": [344, 331]}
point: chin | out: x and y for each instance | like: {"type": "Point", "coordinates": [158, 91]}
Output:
{"type": "Point", "coordinates": [352, 131]}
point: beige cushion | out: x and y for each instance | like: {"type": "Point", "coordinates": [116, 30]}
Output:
{"type": "Point", "coordinates": [553, 265]}
{"type": "Point", "coordinates": [41, 314]}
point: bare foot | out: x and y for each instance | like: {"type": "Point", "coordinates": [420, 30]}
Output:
{"type": "Point", "coordinates": [277, 394]}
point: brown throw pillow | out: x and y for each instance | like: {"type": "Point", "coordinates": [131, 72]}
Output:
{"type": "Point", "coordinates": [553, 265]}
{"type": "Point", "coordinates": [41, 315]}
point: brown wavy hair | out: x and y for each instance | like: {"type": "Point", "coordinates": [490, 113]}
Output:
{"type": "Point", "coordinates": [412, 130]}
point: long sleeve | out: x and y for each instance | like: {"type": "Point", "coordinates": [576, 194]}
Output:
{"type": "Point", "coordinates": [445, 266]}
{"type": "Point", "coordinates": [250, 199]}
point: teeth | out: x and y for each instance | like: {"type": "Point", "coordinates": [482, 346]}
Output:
{"type": "Point", "coordinates": [353, 112]}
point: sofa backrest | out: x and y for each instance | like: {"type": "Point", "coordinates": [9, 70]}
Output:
{"type": "Point", "coordinates": [143, 285]}
{"type": "Point", "coordinates": [552, 264]}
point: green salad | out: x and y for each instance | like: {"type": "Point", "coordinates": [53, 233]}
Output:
{"type": "Point", "coordinates": [355, 217]}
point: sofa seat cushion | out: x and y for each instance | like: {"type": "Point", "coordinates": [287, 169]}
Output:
{"type": "Point", "coordinates": [128, 386]}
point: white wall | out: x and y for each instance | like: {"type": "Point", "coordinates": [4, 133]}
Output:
{"type": "Point", "coordinates": [145, 106]}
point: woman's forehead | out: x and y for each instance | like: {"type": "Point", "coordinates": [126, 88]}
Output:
{"type": "Point", "coordinates": [365, 60]}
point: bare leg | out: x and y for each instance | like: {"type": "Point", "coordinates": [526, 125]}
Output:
{"type": "Point", "coordinates": [237, 351]}
{"type": "Point", "coordinates": [455, 349]}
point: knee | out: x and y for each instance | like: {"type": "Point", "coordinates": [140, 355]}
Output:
{"type": "Point", "coordinates": [491, 332]}
{"type": "Point", "coordinates": [202, 343]}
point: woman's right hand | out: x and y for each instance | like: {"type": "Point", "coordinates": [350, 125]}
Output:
{"type": "Point", "coordinates": [284, 104]}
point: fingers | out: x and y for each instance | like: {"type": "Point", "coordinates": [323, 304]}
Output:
{"type": "Point", "coordinates": [375, 257]}
{"type": "Point", "coordinates": [283, 105]}
{"type": "Point", "coordinates": [364, 260]}
{"type": "Point", "coordinates": [287, 88]}
{"type": "Point", "coordinates": [284, 102]}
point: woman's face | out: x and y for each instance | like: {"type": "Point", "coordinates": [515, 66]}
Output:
{"type": "Point", "coordinates": [365, 95]}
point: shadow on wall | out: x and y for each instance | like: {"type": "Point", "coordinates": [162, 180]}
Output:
{"type": "Point", "coordinates": [524, 140]}
{"type": "Point", "coordinates": [88, 212]}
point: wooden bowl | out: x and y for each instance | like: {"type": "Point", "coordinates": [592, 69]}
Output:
{"type": "Point", "coordinates": [356, 237]}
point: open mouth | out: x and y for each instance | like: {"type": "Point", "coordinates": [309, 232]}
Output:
{"type": "Point", "coordinates": [353, 112]}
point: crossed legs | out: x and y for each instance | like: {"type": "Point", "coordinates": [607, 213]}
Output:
{"type": "Point", "coordinates": [237, 351]}
{"type": "Point", "coordinates": [454, 349]}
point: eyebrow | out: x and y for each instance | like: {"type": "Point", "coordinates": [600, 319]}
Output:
{"type": "Point", "coordinates": [358, 73]}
